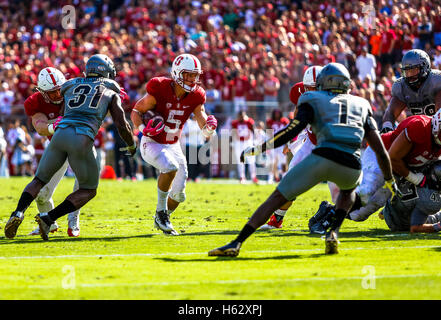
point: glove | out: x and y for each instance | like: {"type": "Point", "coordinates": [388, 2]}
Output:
{"type": "Point", "coordinates": [250, 151]}
{"type": "Point", "coordinates": [51, 127]}
{"type": "Point", "coordinates": [123, 95]}
{"type": "Point", "coordinates": [151, 131]}
{"type": "Point", "coordinates": [211, 123]}
{"type": "Point", "coordinates": [131, 150]}
{"type": "Point", "coordinates": [210, 126]}
{"type": "Point", "coordinates": [391, 185]}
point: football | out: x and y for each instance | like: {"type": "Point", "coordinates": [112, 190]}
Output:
{"type": "Point", "coordinates": [151, 114]}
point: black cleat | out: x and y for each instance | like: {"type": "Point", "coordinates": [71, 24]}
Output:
{"type": "Point", "coordinates": [231, 250]}
{"type": "Point", "coordinates": [162, 222]}
{"type": "Point", "coordinates": [320, 214]}
{"type": "Point", "coordinates": [44, 224]}
{"type": "Point", "coordinates": [13, 223]}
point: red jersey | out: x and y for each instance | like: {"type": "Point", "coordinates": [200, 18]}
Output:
{"type": "Point", "coordinates": [36, 104]}
{"type": "Point", "coordinates": [244, 128]}
{"type": "Point", "coordinates": [418, 130]}
{"type": "Point", "coordinates": [294, 94]}
{"type": "Point", "coordinates": [277, 125]}
{"type": "Point", "coordinates": [99, 138]}
{"type": "Point", "coordinates": [174, 111]}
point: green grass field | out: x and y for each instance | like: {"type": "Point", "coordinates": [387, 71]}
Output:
{"type": "Point", "coordinates": [120, 255]}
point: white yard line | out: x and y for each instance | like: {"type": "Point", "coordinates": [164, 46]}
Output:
{"type": "Point", "coordinates": [203, 253]}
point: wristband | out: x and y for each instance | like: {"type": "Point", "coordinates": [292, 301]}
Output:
{"type": "Point", "coordinates": [141, 127]}
{"type": "Point", "coordinates": [207, 132]}
{"type": "Point", "coordinates": [415, 178]}
{"type": "Point", "coordinates": [437, 227]}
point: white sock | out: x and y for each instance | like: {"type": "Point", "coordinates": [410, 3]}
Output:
{"type": "Point", "coordinates": [252, 167]}
{"type": "Point", "coordinates": [162, 200]}
{"type": "Point", "coordinates": [241, 167]}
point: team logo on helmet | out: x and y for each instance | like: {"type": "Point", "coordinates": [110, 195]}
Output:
{"type": "Point", "coordinates": [185, 71]}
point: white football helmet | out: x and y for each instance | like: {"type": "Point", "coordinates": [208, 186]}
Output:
{"type": "Point", "coordinates": [310, 76]}
{"type": "Point", "coordinates": [186, 63]}
{"type": "Point", "coordinates": [436, 127]}
{"type": "Point", "coordinates": [50, 80]}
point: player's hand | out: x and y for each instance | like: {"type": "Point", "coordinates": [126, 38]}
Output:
{"type": "Point", "coordinates": [151, 131]}
{"type": "Point", "coordinates": [123, 95]}
{"type": "Point", "coordinates": [51, 127]}
{"type": "Point", "coordinates": [391, 185]}
{"type": "Point", "coordinates": [211, 123]}
{"type": "Point", "coordinates": [250, 151]}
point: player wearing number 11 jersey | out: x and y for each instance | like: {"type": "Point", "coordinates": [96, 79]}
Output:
{"type": "Point", "coordinates": [175, 100]}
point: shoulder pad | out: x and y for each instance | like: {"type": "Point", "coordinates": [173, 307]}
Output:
{"type": "Point", "coordinates": [435, 72]}
{"type": "Point", "coordinates": [112, 85]}
{"type": "Point", "coordinates": [67, 85]}
{"type": "Point", "coordinates": [305, 97]}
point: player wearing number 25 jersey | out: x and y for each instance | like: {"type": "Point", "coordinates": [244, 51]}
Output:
{"type": "Point", "coordinates": [175, 100]}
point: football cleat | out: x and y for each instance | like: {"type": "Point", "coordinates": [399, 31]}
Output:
{"type": "Point", "coordinates": [230, 250]}
{"type": "Point", "coordinates": [272, 223]}
{"type": "Point", "coordinates": [13, 223]}
{"type": "Point", "coordinates": [36, 231]}
{"type": "Point", "coordinates": [73, 222]}
{"type": "Point", "coordinates": [162, 222]}
{"type": "Point", "coordinates": [255, 180]}
{"type": "Point", "coordinates": [331, 242]}
{"type": "Point", "coordinates": [43, 224]}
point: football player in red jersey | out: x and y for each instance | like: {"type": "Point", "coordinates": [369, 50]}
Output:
{"type": "Point", "coordinates": [243, 137]}
{"type": "Point", "coordinates": [278, 158]}
{"type": "Point", "coordinates": [175, 98]}
{"type": "Point", "coordinates": [303, 145]}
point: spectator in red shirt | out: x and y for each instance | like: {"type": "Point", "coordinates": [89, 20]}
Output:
{"type": "Point", "coordinates": [387, 43]}
{"type": "Point", "coordinates": [240, 86]}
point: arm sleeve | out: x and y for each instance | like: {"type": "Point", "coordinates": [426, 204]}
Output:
{"type": "Point", "coordinates": [304, 116]}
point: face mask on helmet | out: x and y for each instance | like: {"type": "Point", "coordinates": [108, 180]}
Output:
{"type": "Point", "coordinates": [55, 96]}
{"type": "Point", "coordinates": [411, 74]}
{"type": "Point", "coordinates": [190, 80]}
{"type": "Point", "coordinates": [310, 88]}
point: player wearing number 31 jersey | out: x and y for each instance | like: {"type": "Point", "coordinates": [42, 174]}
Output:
{"type": "Point", "coordinates": [87, 101]}
{"type": "Point", "coordinates": [175, 100]}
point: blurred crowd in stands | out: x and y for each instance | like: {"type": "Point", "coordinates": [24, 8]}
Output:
{"type": "Point", "coordinates": [251, 52]}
